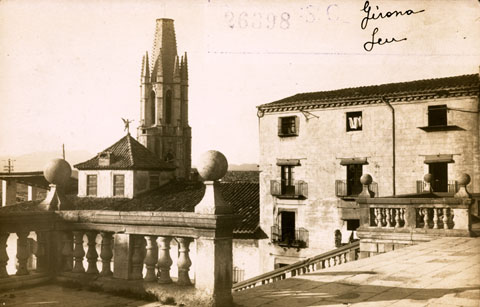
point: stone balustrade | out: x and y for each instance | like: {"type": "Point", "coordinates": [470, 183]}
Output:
{"type": "Point", "coordinates": [389, 223]}
{"type": "Point", "coordinates": [135, 246]}
{"type": "Point", "coordinates": [332, 258]}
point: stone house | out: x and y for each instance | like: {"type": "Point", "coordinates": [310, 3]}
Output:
{"type": "Point", "coordinates": [314, 147]}
{"type": "Point", "coordinates": [123, 170]}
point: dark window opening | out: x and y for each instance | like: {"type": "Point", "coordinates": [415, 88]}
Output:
{"type": "Point", "coordinates": [437, 115]}
{"type": "Point", "coordinates": [287, 183]}
{"type": "Point", "coordinates": [440, 176]}
{"type": "Point", "coordinates": [152, 109]}
{"type": "Point", "coordinates": [354, 172]}
{"type": "Point", "coordinates": [91, 185]}
{"type": "Point", "coordinates": [118, 185]}
{"type": "Point", "coordinates": [353, 224]}
{"type": "Point", "coordinates": [280, 265]}
{"type": "Point", "coordinates": [287, 226]}
{"type": "Point", "coordinates": [354, 121]}
{"type": "Point", "coordinates": [288, 126]}
{"type": "Point", "coordinates": [168, 107]}
{"type": "Point", "coordinates": [169, 157]}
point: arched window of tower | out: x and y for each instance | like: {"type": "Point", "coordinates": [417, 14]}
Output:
{"type": "Point", "coordinates": [169, 157]}
{"type": "Point", "coordinates": [168, 107]}
{"type": "Point", "coordinates": [152, 108]}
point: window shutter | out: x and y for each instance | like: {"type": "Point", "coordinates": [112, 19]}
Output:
{"type": "Point", "coordinates": [275, 187]}
{"type": "Point", "coordinates": [297, 125]}
{"type": "Point", "coordinates": [280, 126]}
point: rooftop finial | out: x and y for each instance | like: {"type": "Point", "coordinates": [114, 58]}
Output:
{"type": "Point", "coordinates": [127, 124]}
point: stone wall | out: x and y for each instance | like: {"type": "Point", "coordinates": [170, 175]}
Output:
{"type": "Point", "coordinates": [322, 142]}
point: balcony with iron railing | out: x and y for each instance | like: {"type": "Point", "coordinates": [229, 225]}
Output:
{"type": "Point", "coordinates": [343, 190]}
{"type": "Point", "coordinates": [452, 186]}
{"type": "Point", "coordinates": [296, 189]}
{"type": "Point", "coordinates": [289, 237]}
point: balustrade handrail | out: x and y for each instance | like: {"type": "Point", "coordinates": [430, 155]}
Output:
{"type": "Point", "coordinates": [295, 266]}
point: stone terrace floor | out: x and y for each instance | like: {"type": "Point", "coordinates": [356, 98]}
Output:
{"type": "Point", "coordinates": [444, 272]}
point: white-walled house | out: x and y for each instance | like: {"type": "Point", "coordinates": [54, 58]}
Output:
{"type": "Point", "coordinates": [123, 170]}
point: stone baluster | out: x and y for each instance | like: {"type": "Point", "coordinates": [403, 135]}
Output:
{"type": "Point", "coordinates": [22, 252]}
{"type": "Point", "coordinates": [151, 258]}
{"type": "Point", "coordinates": [67, 251]}
{"type": "Point", "coordinates": [40, 252]}
{"type": "Point", "coordinates": [436, 218]}
{"type": "Point", "coordinates": [445, 218]}
{"type": "Point", "coordinates": [184, 261]}
{"type": "Point", "coordinates": [388, 217]}
{"type": "Point", "coordinates": [404, 220]}
{"type": "Point", "coordinates": [137, 258]}
{"type": "Point", "coordinates": [382, 217]}
{"type": "Point", "coordinates": [92, 255]}
{"type": "Point", "coordinates": [106, 253]}
{"type": "Point", "coordinates": [378, 217]}
{"type": "Point", "coordinates": [164, 260]}
{"type": "Point", "coordinates": [425, 218]}
{"type": "Point", "coordinates": [78, 252]}
{"type": "Point", "coordinates": [3, 254]}
{"type": "Point", "coordinates": [398, 212]}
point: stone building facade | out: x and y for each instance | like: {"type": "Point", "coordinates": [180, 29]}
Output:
{"type": "Point", "coordinates": [315, 146]}
{"type": "Point", "coordinates": [164, 127]}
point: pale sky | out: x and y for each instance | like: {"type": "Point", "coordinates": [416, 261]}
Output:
{"type": "Point", "coordinates": [71, 69]}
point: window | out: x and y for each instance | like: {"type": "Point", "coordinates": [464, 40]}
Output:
{"type": "Point", "coordinates": [152, 109]}
{"type": "Point", "coordinates": [168, 107]}
{"type": "Point", "coordinates": [288, 126]}
{"type": "Point", "coordinates": [91, 185]}
{"type": "Point", "coordinates": [354, 121]}
{"type": "Point", "coordinates": [287, 227]}
{"type": "Point", "coordinates": [354, 172]}
{"type": "Point", "coordinates": [287, 183]}
{"type": "Point", "coordinates": [437, 115]}
{"type": "Point", "coordinates": [440, 176]}
{"type": "Point", "coordinates": [118, 185]}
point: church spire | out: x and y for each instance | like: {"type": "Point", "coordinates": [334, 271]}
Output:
{"type": "Point", "coordinates": [145, 69]}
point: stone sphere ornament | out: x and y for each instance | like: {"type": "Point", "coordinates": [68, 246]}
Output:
{"type": "Point", "coordinates": [366, 179]}
{"type": "Point", "coordinates": [428, 178]}
{"type": "Point", "coordinates": [212, 165]}
{"type": "Point", "coordinates": [57, 171]}
{"type": "Point", "coordinates": [464, 179]}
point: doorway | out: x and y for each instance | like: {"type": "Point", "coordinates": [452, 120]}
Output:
{"type": "Point", "coordinates": [440, 176]}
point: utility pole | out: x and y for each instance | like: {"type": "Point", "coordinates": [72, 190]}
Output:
{"type": "Point", "coordinates": [9, 166]}
{"type": "Point", "coordinates": [63, 151]}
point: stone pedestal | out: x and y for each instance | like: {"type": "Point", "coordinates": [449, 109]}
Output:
{"type": "Point", "coordinates": [9, 192]}
{"type": "Point", "coordinates": [122, 262]}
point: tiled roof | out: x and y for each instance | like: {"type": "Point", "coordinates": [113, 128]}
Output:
{"type": "Point", "coordinates": [181, 196]}
{"type": "Point", "coordinates": [241, 176]}
{"type": "Point", "coordinates": [127, 154]}
{"type": "Point", "coordinates": [403, 91]}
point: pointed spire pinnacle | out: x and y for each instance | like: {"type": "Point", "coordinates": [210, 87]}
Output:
{"type": "Point", "coordinates": [176, 69]}
{"type": "Point", "coordinates": [185, 67]}
{"type": "Point", "coordinates": [145, 68]}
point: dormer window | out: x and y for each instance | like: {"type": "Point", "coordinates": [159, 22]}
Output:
{"type": "Point", "coordinates": [104, 158]}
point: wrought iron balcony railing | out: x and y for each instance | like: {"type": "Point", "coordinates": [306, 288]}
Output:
{"type": "Point", "coordinates": [342, 189]}
{"type": "Point", "coordinates": [452, 187]}
{"type": "Point", "coordinates": [289, 237]}
{"type": "Point", "coordinates": [297, 189]}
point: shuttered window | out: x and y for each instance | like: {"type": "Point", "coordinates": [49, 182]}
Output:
{"type": "Point", "coordinates": [288, 126]}
{"type": "Point", "coordinates": [118, 185]}
{"type": "Point", "coordinates": [91, 185]}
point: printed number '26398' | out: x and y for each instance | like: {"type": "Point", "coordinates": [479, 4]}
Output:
{"type": "Point", "coordinates": [257, 20]}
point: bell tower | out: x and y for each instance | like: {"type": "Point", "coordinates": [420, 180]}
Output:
{"type": "Point", "coordinates": [164, 125]}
